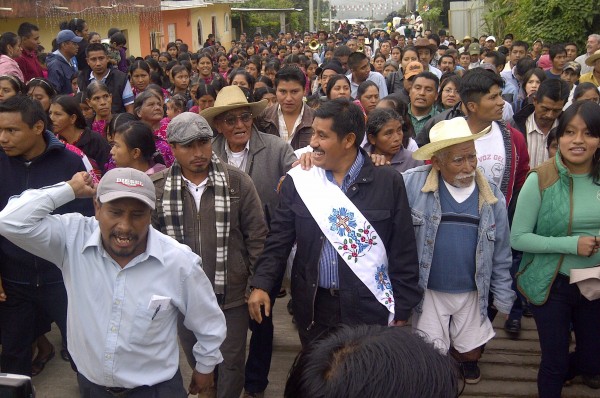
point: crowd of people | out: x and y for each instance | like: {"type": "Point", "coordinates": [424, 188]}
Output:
{"type": "Point", "coordinates": [391, 177]}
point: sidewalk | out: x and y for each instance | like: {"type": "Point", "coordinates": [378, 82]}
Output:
{"type": "Point", "coordinates": [508, 367]}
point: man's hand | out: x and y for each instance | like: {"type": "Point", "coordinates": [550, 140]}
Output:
{"type": "Point", "coordinates": [305, 161]}
{"type": "Point", "coordinates": [2, 294]}
{"type": "Point", "coordinates": [83, 185]}
{"type": "Point", "coordinates": [398, 323]}
{"type": "Point", "coordinates": [201, 382]}
{"type": "Point", "coordinates": [379, 160]}
{"type": "Point", "coordinates": [257, 299]}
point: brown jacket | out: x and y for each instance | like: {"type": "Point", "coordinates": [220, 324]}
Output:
{"type": "Point", "coordinates": [247, 231]}
{"type": "Point", "coordinates": [268, 122]}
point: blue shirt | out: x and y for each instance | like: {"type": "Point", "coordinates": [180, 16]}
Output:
{"type": "Point", "coordinates": [115, 338]}
{"type": "Point", "coordinates": [328, 262]}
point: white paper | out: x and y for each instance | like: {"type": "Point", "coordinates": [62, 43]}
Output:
{"type": "Point", "coordinates": [162, 301]}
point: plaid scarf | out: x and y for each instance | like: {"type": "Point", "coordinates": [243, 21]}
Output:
{"type": "Point", "coordinates": [171, 213]}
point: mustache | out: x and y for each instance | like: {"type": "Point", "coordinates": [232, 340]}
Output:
{"type": "Point", "coordinates": [462, 176]}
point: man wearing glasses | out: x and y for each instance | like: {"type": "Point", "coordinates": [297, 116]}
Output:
{"type": "Point", "coordinates": [265, 158]}
{"type": "Point", "coordinates": [213, 208]}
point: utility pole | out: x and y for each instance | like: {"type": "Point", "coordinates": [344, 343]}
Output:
{"type": "Point", "coordinates": [311, 16]}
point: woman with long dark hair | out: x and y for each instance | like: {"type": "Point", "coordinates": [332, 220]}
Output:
{"type": "Point", "coordinates": [556, 225]}
{"type": "Point", "coordinates": [69, 125]}
{"type": "Point", "coordinates": [135, 147]}
{"type": "Point", "coordinates": [10, 48]}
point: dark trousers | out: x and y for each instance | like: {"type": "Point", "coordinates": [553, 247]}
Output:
{"type": "Point", "coordinates": [565, 304]}
{"type": "Point", "coordinates": [517, 309]}
{"type": "Point", "coordinates": [260, 351]}
{"type": "Point", "coordinates": [19, 321]}
{"type": "Point", "coordinates": [327, 316]}
{"type": "Point", "coordinates": [167, 389]}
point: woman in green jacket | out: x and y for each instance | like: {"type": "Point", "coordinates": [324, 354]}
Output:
{"type": "Point", "coordinates": [557, 226]}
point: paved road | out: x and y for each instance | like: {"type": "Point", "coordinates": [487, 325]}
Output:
{"type": "Point", "coordinates": [508, 367]}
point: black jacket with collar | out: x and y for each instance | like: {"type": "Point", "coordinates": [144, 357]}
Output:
{"type": "Point", "coordinates": [519, 119]}
{"type": "Point", "coordinates": [380, 195]}
{"type": "Point", "coordinates": [115, 81]}
{"type": "Point", "coordinates": [55, 165]}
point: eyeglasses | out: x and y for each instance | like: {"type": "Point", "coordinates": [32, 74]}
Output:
{"type": "Point", "coordinates": [231, 120]}
{"type": "Point", "coordinates": [459, 161]}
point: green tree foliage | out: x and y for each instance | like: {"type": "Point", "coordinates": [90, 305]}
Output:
{"type": "Point", "coordinates": [431, 17]}
{"type": "Point", "coordinates": [553, 21]}
{"type": "Point", "coordinates": [269, 22]}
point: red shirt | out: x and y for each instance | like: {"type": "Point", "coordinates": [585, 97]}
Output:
{"type": "Point", "coordinates": [29, 64]}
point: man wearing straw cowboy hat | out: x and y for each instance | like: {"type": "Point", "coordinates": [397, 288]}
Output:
{"type": "Point", "coordinates": [461, 228]}
{"type": "Point", "coordinates": [214, 209]}
{"type": "Point", "coordinates": [265, 158]}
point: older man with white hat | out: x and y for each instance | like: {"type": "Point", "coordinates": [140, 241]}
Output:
{"type": "Point", "coordinates": [214, 209]}
{"type": "Point", "coordinates": [265, 158]}
{"type": "Point", "coordinates": [461, 228]}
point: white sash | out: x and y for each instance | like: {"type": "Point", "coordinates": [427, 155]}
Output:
{"type": "Point", "coordinates": [351, 235]}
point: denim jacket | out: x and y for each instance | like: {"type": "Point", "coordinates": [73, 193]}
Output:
{"type": "Point", "coordinates": [493, 257]}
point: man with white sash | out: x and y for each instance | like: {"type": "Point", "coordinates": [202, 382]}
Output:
{"type": "Point", "coordinates": [356, 261]}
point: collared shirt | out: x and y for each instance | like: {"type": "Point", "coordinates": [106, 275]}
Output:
{"type": "Point", "coordinates": [328, 262]}
{"type": "Point", "coordinates": [283, 130]}
{"type": "Point", "coordinates": [589, 78]}
{"type": "Point", "coordinates": [127, 94]}
{"type": "Point", "coordinates": [29, 64]}
{"type": "Point", "coordinates": [196, 190]}
{"type": "Point", "coordinates": [238, 159]}
{"type": "Point", "coordinates": [376, 78]}
{"type": "Point", "coordinates": [536, 142]}
{"type": "Point", "coordinates": [419, 122]}
{"type": "Point", "coordinates": [115, 338]}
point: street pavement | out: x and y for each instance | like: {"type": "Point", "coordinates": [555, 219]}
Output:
{"type": "Point", "coordinates": [508, 367]}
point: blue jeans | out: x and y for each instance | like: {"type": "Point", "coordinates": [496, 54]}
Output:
{"type": "Point", "coordinates": [565, 304]}
{"type": "Point", "coordinates": [517, 309]}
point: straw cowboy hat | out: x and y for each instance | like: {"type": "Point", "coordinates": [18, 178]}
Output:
{"type": "Point", "coordinates": [445, 134]}
{"type": "Point", "coordinates": [592, 58]}
{"type": "Point", "coordinates": [232, 97]}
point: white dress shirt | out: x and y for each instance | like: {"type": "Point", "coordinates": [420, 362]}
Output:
{"type": "Point", "coordinates": [114, 338]}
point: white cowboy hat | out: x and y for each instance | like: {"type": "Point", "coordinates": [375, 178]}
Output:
{"type": "Point", "coordinates": [232, 97]}
{"type": "Point", "coordinates": [447, 133]}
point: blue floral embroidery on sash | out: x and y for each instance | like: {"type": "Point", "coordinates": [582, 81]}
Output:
{"type": "Point", "coordinates": [358, 241]}
{"type": "Point", "coordinates": [381, 279]}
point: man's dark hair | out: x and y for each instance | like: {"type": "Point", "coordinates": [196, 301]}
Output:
{"type": "Point", "coordinates": [430, 76]}
{"type": "Point", "coordinates": [524, 65]}
{"type": "Point", "coordinates": [95, 47]}
{"type": "Point", "coordinates": [119, 39]}
{"type": "Point", "coordinates": [342, 51]}
{"type": "Point", "coordinates": [570, 43]}
{"type": "Point", "coordinates": [520, 43]}
{"type": "Point", "coordinates": [290, 73]}
{"type": "Point", "coordinates": [26, 28]}
{"type": "Point", "coordinates": [355, 59]}
{"type": "Point", "coordinates": [476, 83]}
{"type": "Point", "coordinates": [435, 37]}
{"type": "Point", "coordinates": [31, 110]}
{"type": "Point", "coordinates": [446, 56]}
{"type": "Point", "coordinates": [372, 361]}
{"type": "Point", "coordinates": [556, 49]}
{"type": "Point", "coordinates": [498, 58]}
{"type": "Point", "coordinates": [112, 31]}
{"type": "Point", "coordinates": [347, 118]}
{"type": "Point", "coordinates": [553, 89]}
